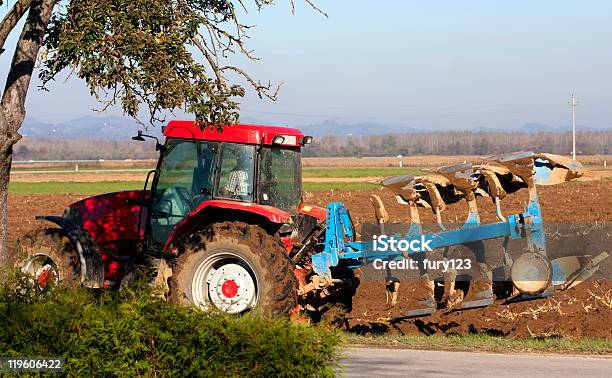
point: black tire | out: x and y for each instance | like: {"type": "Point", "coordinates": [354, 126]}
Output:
{"type": "Point", "coordinates": [50, 250]}
{"type": "Point", "coordinates": [253, 249]}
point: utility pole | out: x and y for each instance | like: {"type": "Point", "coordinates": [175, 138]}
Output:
{"type": "Point", "coordinates": [573, 104]}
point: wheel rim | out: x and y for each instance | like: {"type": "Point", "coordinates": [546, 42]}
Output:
{"type": "Point", "coordinates": [43, 268]}
{"type": "Point", "coordinates": [226, 281]}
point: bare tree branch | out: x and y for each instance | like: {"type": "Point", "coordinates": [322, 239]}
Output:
{"type": "Point", "coordinates": [211, 61]}
{"type": "Point", "coordinates": [261, 89]}
{"type": "Point", "coordinates": [312, 4]}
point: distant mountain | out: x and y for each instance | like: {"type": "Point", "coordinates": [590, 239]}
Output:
{"type": "Point", "coordinates": [372, 128]}
{"type": "Point", "coordinates": [34, 128]}
{"type": "Point", "coordinates": [330, 127]}
{"type": "Point", "coordinates": [123, 128]}
{"type": "Point", "coordinates": [489, 130]}
{"type": "Point", "coordinates": [356, 129]}
{"type": "Point", "coordinates": [534, 127]}
{"type": "Point", "coordinates": [257, 121]}
{"type": "Point", "coordinates": [88, 127]}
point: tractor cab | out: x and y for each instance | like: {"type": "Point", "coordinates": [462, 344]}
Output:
{"type": "Point", "coordinates": [247, 164]}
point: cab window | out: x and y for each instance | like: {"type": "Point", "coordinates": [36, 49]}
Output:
{"type": "Point", "coordinates": [280, 180]}
{"type": "Point", "coordinates": [236, 172]}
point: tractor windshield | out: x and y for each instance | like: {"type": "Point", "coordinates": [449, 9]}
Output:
{"type": "Point", "coordinates": [280, 182]}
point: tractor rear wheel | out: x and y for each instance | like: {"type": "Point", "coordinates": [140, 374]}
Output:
{"type": "Point", "coordinates": [49, 256]}
{"type": "Point", "coordinates": [234, 267]}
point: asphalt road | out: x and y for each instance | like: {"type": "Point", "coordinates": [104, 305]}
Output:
{"type": "Point", "coordinates": [375, 362]}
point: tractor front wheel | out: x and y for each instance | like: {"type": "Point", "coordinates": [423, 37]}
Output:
{"type": "Point", "coordinates": [234, 267]}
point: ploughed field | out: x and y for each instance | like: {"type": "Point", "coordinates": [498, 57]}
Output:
{"type": "Point", "coordinates": [584, 311]}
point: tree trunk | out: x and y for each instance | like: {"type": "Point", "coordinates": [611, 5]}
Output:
{"type": "Point", "coordinates": [12, 106]}
{"type": "Point", "coordinates": [11, 19]}
{"type": "Point", "coordinates": [5, 169]}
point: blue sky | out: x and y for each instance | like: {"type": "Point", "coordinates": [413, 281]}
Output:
{"type": "Point", "coordinates": [423, 64]}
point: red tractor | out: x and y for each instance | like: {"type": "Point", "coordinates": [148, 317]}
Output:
{"type": "Point", "coordinates": [220, 223]}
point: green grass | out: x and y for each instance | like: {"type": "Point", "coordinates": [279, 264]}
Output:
{"type": "Point", "coordinates": [487, 343]}
{"type": "Point", "coordinates": [72, 187]}
{"type": "Point", "coordinates": [108, 186]}
{"type": "Point", "coordinates": [307, 171]}
{"type": "Point", "coordinates": [338, 186]}
{"type": "Point", "coordinates": [339, 172]}
{"type": "Point", "coordinates": [104, 187]}
{"type": "Point", "coordinates": [71, 170]}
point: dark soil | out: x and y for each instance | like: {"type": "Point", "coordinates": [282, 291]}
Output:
{"type": "Point", "coordinates": [574, 313]}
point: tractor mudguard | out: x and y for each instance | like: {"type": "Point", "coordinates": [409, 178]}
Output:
{"type": "Point", "coordinates": [245, 209]}
{"type": "Point", "coordinates": [92, 270]}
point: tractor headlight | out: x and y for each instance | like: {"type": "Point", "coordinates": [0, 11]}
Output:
{"type": "Point", "coordinates": [278, 140]}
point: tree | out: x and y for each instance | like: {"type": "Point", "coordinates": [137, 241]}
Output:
{"type": "Point", "coordinates": [389, 144]}
{"type": "Point", "coordinates": [22, 152]}
{"type": "Point", "coordinates": [157, 55]}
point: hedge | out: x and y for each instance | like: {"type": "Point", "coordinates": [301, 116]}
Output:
{"type": "Point", "coordinates": [135, 334]}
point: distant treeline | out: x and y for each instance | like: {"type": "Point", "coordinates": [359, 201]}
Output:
{"type": "Point", "coordinates": [440, 143]}
{"type": "Point", "coordinates": [460, 143]}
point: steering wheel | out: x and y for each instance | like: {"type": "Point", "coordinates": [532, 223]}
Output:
{"type": "Point", "coordinates": [199, 197]}
{"type": "Point", "coordinates": [180, 200]}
